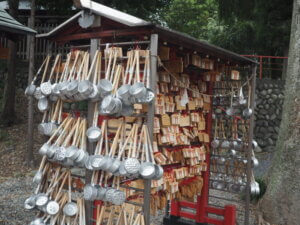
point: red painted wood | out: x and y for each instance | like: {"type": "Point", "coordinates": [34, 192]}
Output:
{"type": "Point", "coordinates": [216, 211]}
{"type": "Point", "coordinates": [187, 204]}
{"type": "Point", "coordinates": [230, 215]}
{"type": "Point", "coordinates": [175, 209]}
{"type": "Point", "coordinates": [187, 215]}
{"type": "Point", "coordinates": [202, 201]}
{"type": "Point", "coordinates": [95, 213]}
{"type": "Point", "coordinates": [214, 221]}
{"type": "Point", "coordinates": [101, 34]}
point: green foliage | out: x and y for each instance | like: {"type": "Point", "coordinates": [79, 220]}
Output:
{"type": "Point", "coordinates": [270, 19]}
{"type": "Point", "coordinates": [197, 18]}
{"type": "Point", "coordinates": [140, 8]}
{"type": "Point", "coordinates": [243, 26]}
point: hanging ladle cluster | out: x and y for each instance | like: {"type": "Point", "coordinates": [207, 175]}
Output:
{"type": "Point", "coordinates": [115, 88]}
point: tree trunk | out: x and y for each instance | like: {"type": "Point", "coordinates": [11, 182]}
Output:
{"type": "Point", "coordinates": [281, 203]}
{"type": "Point", "coordinates": [29, 153]}
{"type": "Point", "coordinates": [8, 106]}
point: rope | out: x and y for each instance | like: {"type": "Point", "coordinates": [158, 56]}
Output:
{"type": "Point", "coordinates": [197, 92]}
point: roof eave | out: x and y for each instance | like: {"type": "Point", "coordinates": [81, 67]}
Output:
{"type": "Point", "coordinates": [202, 44]}
{"type": "Point", "coordinates": [17, 31]}
{"type": "Point", "coordinates": [61, 26]}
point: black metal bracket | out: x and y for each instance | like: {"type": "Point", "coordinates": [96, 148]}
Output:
{"type": "Point", "coordinates": [174, 220]}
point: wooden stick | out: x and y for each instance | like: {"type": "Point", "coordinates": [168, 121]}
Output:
{"type": "Point", "coordinates": [83, 137]}
{"type": "Point", "coordinates": [122, 149]}
{"type": "Point", "coordinates": [120, 215]}
{"type": "Point", "coordinates": [39, 70]}
{"type": "Point", "coordinates": [132, 68]}
{"type": "Point", "coordinates": [65, 122]}
{"type": "Point", "coordinates": [132, 216]}
{"type": "Point", "coordinates": [70, 135]}
{"type": "Point", "coordinates": [127, 66]}
{"type": "Point", "coordinates": [134, 142]}
{"type": "Point", "coordinates": [137, 65]}
{"type": "Point", "coordinates": [125, 217]}
{"type": "Point", "coordinates": [100, 218]}
{"type": "Point", "coordinates": [111, 215]}
{"type": "Point", "coordinates": [62, 185]}
{"type": "Point", "coordinates": [137, 219]}
{"type": "Point", "coordinates": [74, 66]}
{"type": "Point", "coordinates": [115, 141]}
{"type": "Point", "coordinates": [93, 64]}
{"type": "Point", "coordinates": [45, 69]}
{"type": "Point", "coordinates": [114, 64]}
{"type": "Point", "coordinates": [107, 75]}
{"type": "Point", "coordinates": [100, 142]}
{"type": "Point", "coordinates": [54, 65]}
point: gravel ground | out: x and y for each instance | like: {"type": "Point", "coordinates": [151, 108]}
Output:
{"type": "Point", "coordinates": [14, 191]}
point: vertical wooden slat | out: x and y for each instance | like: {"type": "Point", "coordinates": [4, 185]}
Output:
{"type": "Point", "coordinates": [31, 57]}
{"type": "Point", "coordinates": [95, 43]}
{"type": "Point", "coordinates": [249, 150]}
{"type": "Point", "coordinates": [150, 119]}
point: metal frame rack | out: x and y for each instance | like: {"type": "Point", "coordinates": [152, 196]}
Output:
{"type": "Point", "coordinates": [109, 29]}
{"type": "Point", "coordinates": [95, 44]}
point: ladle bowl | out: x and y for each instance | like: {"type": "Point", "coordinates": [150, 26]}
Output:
{"type": "Point", "coordinates": [41, 199]}
{"type": "Point", "coordinates": [43, 104]}
{"type": "Point", "coordinates": [147, 170]}
{"type": "Point", "coordinates": [37, 177]}
{"type": "Point", "coordinates": [247, 113]}
{"type": "Point", "coordinates": [90, 192]}
{"type": "Point", "coordinates": [138, 90]}
{"type": "Point", "coordinates": [70, 209]}
{"type": "Point", "coordinates": [105, 87]}
{"type": "Point", "coordinates": [38, 94]}
{"type": "Point", "coordinates": [132, 165]}
{"type": "Point", "coordinates": [215, 143]}
{"type": "Point", "coordinates": [30, 202]}
{"type": "Point", "coordinates": [44, 149]}
{"type": "Point", "coordinates": [96, 161]}
{"type": "Point", "coordinates": [52, 208]}
{"type": "Point", "coordinates": [93, 134]}
{"type": "Point", "coordinates": [225, 144]}
{"type": "Point", "coordinates": [30, 89]}
{"type": "Point", "coordinates": [46, 88]}
{"type": "Point", "coordinates": [124, 94]}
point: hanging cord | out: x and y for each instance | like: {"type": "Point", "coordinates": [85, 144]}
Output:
{"type": "Point", "coordinates": [197, 92]}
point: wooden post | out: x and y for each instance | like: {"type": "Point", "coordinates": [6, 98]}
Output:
{"type": "Point", "coordinates": [202, 200]}
{"type": "Point", "coordinates": [150, 119]}
{"type": "Point", "coordinates": [95, 43]}
{"type": "Point", "coordinates": [249, 150]}
{"type": "Point", "coordinates": [30, 50]}
{"type": "Point", "coordinates": [230, 215]}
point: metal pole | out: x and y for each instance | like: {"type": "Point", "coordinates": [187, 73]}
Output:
{"type": "Point", "coordinates": [90, 146]}
{"type": "Point", "coordinates": [150, 119]}
{"type": "Point", "coordinates": [249, 152]}
{"type": "Point", "coordinates": [260, 67]}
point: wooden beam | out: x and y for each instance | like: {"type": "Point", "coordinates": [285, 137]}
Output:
{"type": "Point", "coordinates": [150, 119]}
{"type": "Point", "coordinates": [102, 34]}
